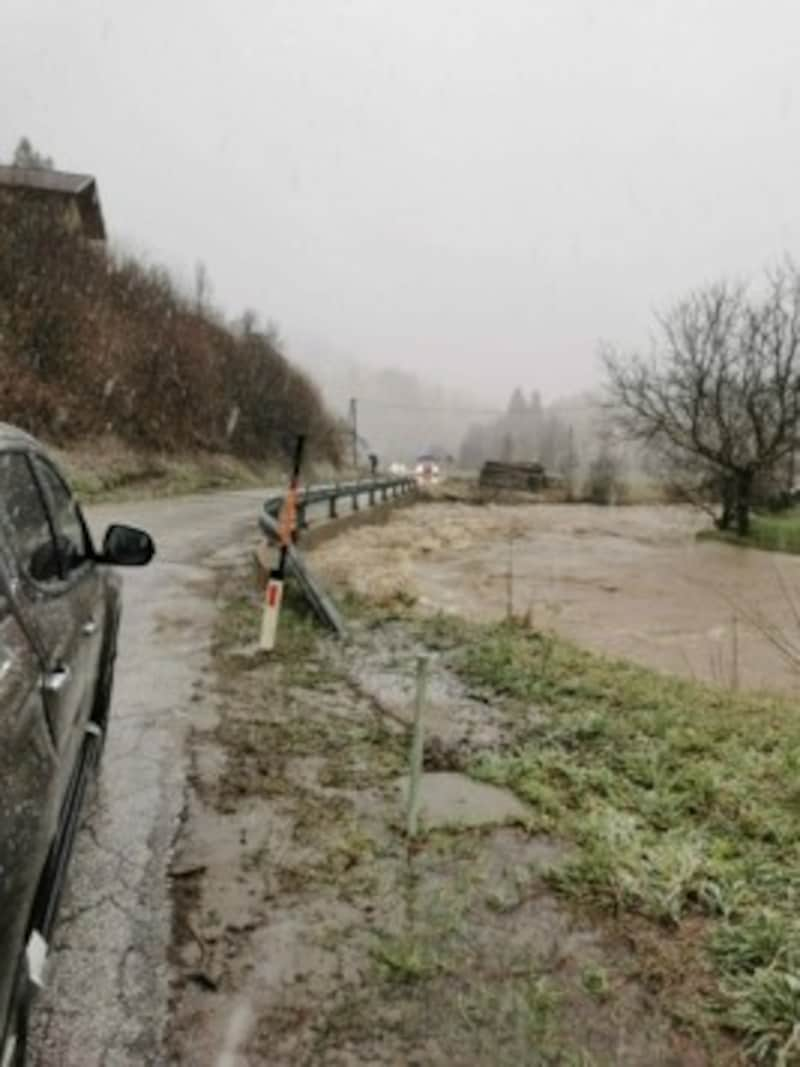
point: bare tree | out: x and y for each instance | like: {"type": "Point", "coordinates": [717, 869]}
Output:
{"type": "Point", "coordinates": [720, 394]}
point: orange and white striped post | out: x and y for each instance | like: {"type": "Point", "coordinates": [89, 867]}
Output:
{"type": "Point", "coordinates": [273, 597]}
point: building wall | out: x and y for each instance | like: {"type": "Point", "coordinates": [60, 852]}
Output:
{"type": "Point", "coordinates": [68, 206]}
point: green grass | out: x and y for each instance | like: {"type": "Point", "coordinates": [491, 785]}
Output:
{"type": "Point", "coordinates": [775, 533]}
{"type": "Point", "coordinates": [407, 957]}
{"type": "Point", "coordinates": [682, 801]}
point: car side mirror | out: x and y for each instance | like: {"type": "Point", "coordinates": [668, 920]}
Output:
{"type": "Point", "coordinates": [125, 546]}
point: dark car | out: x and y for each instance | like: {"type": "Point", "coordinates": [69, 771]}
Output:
{"type": "Point", "coordinates": [59, 617]}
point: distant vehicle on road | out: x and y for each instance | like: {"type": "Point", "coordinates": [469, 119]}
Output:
{"type": "Point", "coordinates": [426, 470]}
{"type": "Point", "coordinates": [59, 618]}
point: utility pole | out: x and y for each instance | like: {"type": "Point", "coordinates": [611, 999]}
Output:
{"type": "Point", "coordinates": [354, 422]}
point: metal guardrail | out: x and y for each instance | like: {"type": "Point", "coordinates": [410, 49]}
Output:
{"type": "Point", "coordinates": [315, 594]}
{"type": "Point", "coordinates": [376, 490]}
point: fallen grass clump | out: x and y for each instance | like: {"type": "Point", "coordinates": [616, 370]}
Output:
{"type": "Point", "coordinates": [683, 801]}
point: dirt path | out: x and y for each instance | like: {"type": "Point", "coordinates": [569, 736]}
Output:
{"type": "Point", "coordinates": [107, 995]}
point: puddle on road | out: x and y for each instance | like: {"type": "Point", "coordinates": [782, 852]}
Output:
{"type": "Point", "coordinates": [631, 582]}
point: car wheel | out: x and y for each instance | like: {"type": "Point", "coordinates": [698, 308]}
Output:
{"type": "Point", "coordinates": [16, 1040]}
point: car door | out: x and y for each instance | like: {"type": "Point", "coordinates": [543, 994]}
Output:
{"type": "Point", "coordinates": [28, 766]}
{"type": "Point", "coordinates": [84, 582]}
{"type": "Point", "coordinates": [45, 594]}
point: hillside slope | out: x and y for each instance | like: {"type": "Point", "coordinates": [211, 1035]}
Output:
{"type": "Point", "coordinates": [93, 344]}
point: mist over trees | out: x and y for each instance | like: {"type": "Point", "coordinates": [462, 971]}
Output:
{"type": "Point", "coordinates": [400, 416]}
{"type": "Point", "coordinates": [561, 435]}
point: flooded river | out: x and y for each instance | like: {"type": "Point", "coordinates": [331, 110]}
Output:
{"type": "Point", "coordinates": [632, 582]}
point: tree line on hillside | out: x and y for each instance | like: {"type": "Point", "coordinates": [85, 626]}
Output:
{"type": "Point", "coordinates": [92, 343]}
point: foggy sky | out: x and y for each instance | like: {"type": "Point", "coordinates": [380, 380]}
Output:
{"type": "Point", "coordinates": [475, 191]}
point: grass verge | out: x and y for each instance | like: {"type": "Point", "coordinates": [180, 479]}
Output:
{"type": "Point", "coordinates": [682, 801]}
{"type": "Point", "coordinates": [110, 471]}
{"type": "Point", "coordinates": [774, 533]}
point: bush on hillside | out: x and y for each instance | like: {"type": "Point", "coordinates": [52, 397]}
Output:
{"type": "Point", "coordinates": [92, 343]}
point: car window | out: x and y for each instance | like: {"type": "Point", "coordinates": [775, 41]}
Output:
{"type": "Point", "coordinates": [29, 528]}
{"type": "Point", "coordinates": [67, 522]}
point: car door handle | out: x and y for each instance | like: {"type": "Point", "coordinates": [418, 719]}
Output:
{"type": "Point", "coordinates": [89, 628]}
{"type": "Point", "coordinates": [55, 680]}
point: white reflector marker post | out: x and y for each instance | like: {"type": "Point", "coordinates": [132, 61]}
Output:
{"type": "Point", "coordinates": [272, 609]}
{"type": "Point", "coordinates": [274, 592]}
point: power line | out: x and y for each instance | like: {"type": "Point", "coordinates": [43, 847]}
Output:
{"type": "Point", "coordinates": [431, 407]}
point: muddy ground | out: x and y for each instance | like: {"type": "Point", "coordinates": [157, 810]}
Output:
{"type": "Point", "coordinates": [309, 929]}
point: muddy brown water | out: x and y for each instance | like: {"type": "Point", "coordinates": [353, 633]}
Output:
{"type": "Point", "coordinates": [631, 582]}
{"type": "Point", "coordinates": [634, 583]}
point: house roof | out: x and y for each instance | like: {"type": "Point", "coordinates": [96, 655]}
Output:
{"type": "Point", "coordinates": [81, 187]}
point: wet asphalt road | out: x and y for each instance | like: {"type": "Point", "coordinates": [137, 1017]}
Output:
{"type": "Point", "coordinates": [106, 1000]}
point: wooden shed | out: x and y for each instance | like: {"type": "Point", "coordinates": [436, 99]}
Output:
{"type": "Point", "coordinates": [528, 477]}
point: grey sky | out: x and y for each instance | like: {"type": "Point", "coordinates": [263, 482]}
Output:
{"type": "Point", "coordinates": [475, 191]}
